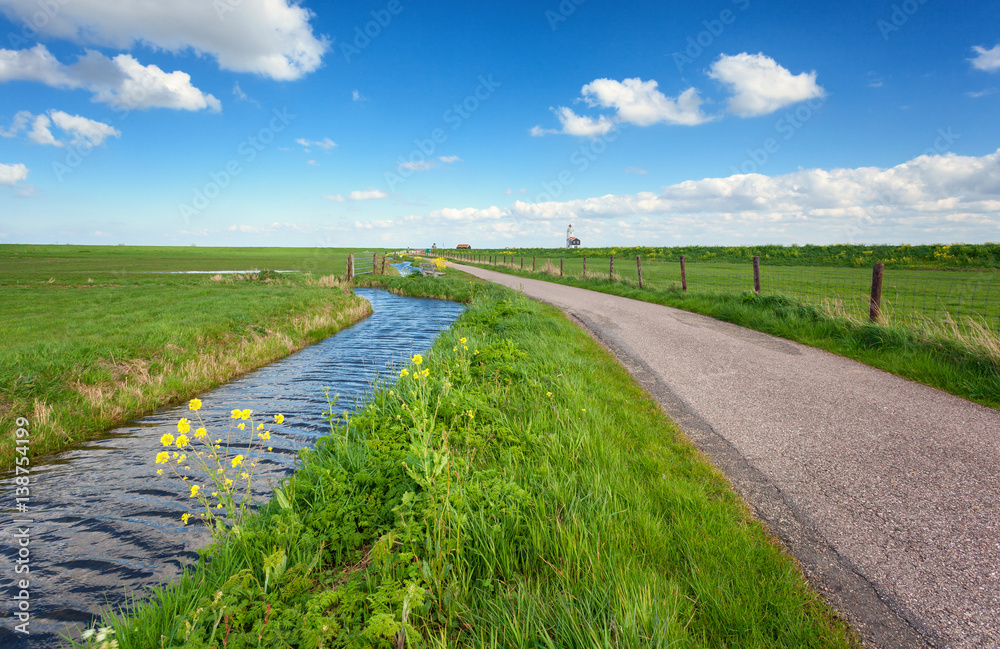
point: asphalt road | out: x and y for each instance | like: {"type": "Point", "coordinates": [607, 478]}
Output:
{"type": "Point", "coordinates": [885, 490]}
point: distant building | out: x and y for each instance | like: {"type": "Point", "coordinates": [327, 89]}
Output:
{"type": "Point", "coordinates": [571, 241]}
{"type": "Point", "coordinates": [463, 246]}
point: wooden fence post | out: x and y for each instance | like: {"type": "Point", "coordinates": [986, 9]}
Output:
{"type": "Point", "coordinates": [350, 266]}
{"type": "Point", "coordinates": [532, 264]}
{"type": "Point", "coordinates": [875, 306]}
{"type": "Point", "coordinates": [383, 264]}
{"type": "Point", "coordinates": [584, 266]}
{"type": "Point", "coordinates": [684, 277]}
{"type": "Point", "coordinates": [638, 267]}
{"type": "Point", "coordinates": [522, 262]}
{"type": "Point", "coordinates": [560, 267]}
{"type": "Point", "coordinates": [611, 270]}
{"type": "Point", "coordinates": [756, 273]}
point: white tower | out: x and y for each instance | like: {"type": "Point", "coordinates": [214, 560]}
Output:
{"type": "Point", "coordinates": [569, 236]}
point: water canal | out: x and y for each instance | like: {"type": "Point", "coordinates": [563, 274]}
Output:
{"type": "Point", "coordinates": [106, 527]}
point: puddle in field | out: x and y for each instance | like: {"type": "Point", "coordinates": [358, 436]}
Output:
{"type": "Point", "coordinates": [104, 524]}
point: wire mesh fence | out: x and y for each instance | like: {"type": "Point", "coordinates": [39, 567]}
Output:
{"type": "Point", "coordinates": [943, 297]}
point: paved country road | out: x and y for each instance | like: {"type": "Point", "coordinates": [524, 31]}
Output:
{"type": "Point", "coordinates": [885, 490]}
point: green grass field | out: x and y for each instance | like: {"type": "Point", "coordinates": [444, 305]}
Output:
{"type": "Point", "coordinates": [95, 336]}
{"type": "Point", "coordinates": [524, 492]}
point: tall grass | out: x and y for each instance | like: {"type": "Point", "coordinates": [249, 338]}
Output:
{"type": "Point", "coordinates": [515, 489]}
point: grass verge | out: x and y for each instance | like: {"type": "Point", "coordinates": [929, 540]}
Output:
{"type": "Point", "coordinates": [515, 489]}
{"type": "Point", "coordinates": [964, 361]}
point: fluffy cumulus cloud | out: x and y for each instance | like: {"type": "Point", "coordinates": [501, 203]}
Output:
{"type": "Point", "coordinates": [121, 82]}
{"type": "Point", "coordinates": [756, 83]}
{"type": "Point", "coordinates": [931, 198]}
{"type": "Point", "coordinates": [634, 101]}
{"type": "Point", "coordinates": [10, 175]}
{"type": "Point", "coordinates": [272, 38]}
{"type": "Point", "coordinates": [80, 130]}
{"type": "Point", "coordinates": [639, 102]}
{"type": "Point", "coordinates": [986, 60]}
{"type": "Point", "coordinates": [760, 86]}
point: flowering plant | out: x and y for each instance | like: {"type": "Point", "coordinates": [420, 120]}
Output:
{"type": "Point", "coordinates": [227, 466]}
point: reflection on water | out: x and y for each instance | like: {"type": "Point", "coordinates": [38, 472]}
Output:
{"type": "Point", "coordinates": [104, 524]}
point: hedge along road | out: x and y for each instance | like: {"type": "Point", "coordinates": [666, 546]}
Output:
{"type": "Point", "coordinates": [885, 490]}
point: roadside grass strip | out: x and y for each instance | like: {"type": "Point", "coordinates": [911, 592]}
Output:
{"type": "Point", "coordinates": [515, 488]}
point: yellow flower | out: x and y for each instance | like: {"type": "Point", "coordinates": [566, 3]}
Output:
{"type": "Point", "coordinates": [462, 340]}
{"type": "Point", "coordinates": [238, 460]}
{"type": "Point", "coordinates": [548, 394]}
{"type": "Point", "coordinates": [241, 426]}
{"type": "Point", "coordinates": [201, 432]}
{"type": "Point", "coordinates": [270, 448]}
{"type": "Point", "coordinates": [161, 458]}
{"type": "Point", "coordinates": [195, 404]}
{"type": "Point", "coordinates": [229, 482]}
{"type": "Point", "coordinates": [194, 490]}
{"type": "Point", "coordinates": [279, 418]}
{"type": "Point", "coordinates": [260, 426]}
{"type": "Point", "coordinates": [236, 414]}
{"type": "Point", "coordinates": [183, 458]}
{"type": "Point", "coordinates": [246, 414]}
{"type": "Point", "coordinates": [185, 517]}
{"type": "Point", "coordinates": [219, 506]}
{"type": "Point", "coordinates": [175, 455]}
{"type": "Point", "coordinates": [404, 373]}
{"type": "Point", "coordinates": [266, 435]}
{"type": "Point", "coordinates": [167, 439]}
{"type": "Point", "coordinates": [183, 426]}
{"type": "Point", "coordinates": [159, 472]}
{"type": "Point", "coordinates": [245, 475]}
{"type": "Point", "coordinates": [182, 441]}
{"type": "Point", "coordinates": [418, 359]}
{"type": "Point", "coordinates": [426, 373]}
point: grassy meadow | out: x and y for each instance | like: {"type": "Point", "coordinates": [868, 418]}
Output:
{"type": "Point", "coordinates": [96, 336]}
{"type": "Point", "coordinates": [516, 488]}
{"type": "Point", "coordinates": [825, 308]}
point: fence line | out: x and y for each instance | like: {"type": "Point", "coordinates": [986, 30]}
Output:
{"type": "Point", "coordinates": [936, 296]}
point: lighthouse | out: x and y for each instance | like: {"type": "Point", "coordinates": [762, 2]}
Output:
{"type": "Point", "coordinates": [571, 241]}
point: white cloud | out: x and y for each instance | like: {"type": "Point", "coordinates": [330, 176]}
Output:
{"type": "Point", "coordinates": [18, 124]}
{"type": "Point", "coordinates": [121, 82]}
{"type": "Point", "coordinates": [420, 165]}
{"type": "Point", "coordinates": [272, 38]}
{"type": "Point", "coordinates": [10, 175]}
{"type": "Point", "coordinates": [40, 133]}
{"type": "Point", "coordinates": [336, 198]}
{"type": "Point", "coordinates": [915, 201]}
{"type": "Point", "coordinates": [312, 163]}
{"type": "Point", "coordinates": [326, 143]}
{"type": "Point", "coordinates": [639, 102]}
{"type": "Point", "coordinates": [449, 159]}
{"type": "Point", "coordinates": [573, 124]}
{"type": "Point", "coordinates": [357, 96]}
{"type": "Point", "coordinates": [986, 60]}
{"type": "Point", "coordinates": [981, 93]}
{"type": "Point", "coordinates": [636, 170]}
{"type": "Point", "coordinates": [82, 129]}
{"type": "Point", "coordinates": [367, 195]}
{"type": "Point", "coordinates": [760, 86]}
{"type": "Point", "coordinates": [242, 96]}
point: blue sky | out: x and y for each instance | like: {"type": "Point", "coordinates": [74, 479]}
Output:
{"type": "Point", "coordinates": [396, 123]}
